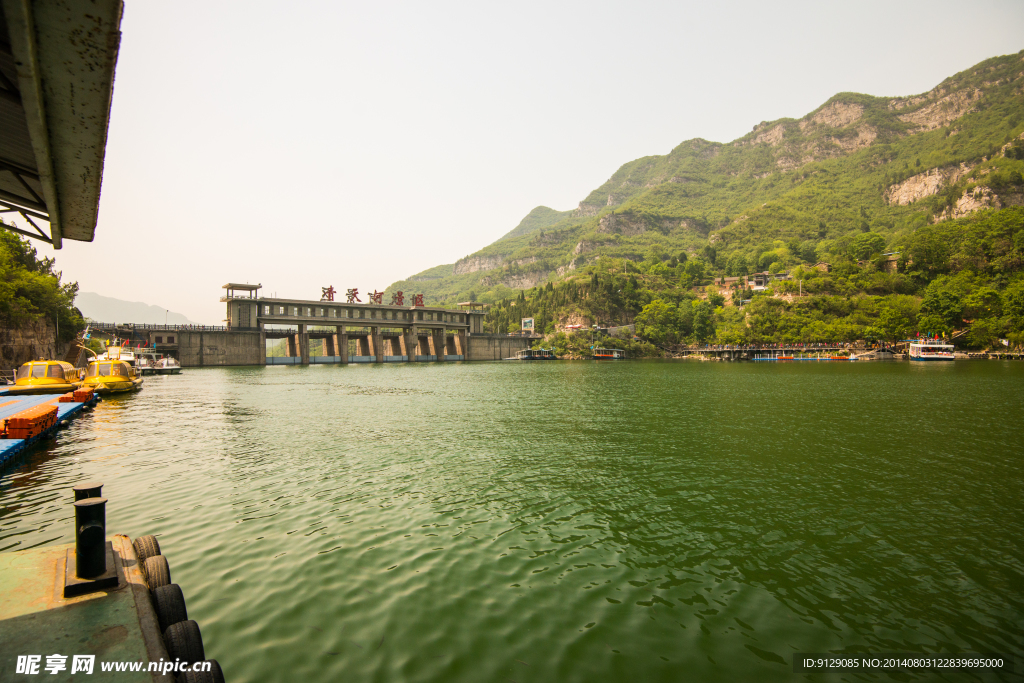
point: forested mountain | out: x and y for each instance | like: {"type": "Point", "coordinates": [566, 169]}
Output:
{"type": "Point", "coordinates": [859, 177]}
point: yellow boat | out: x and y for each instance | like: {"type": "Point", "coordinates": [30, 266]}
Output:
{"type": "Point", "coordinates": [111, 377]}
{"type": "Point", "coordinates": [46, 377]}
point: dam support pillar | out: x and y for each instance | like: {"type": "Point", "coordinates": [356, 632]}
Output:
{"type": "Point", "coordinates": [411, 337]}
{"type": "Point", "coordinates": [378, 345]}
{"type": "Point", "coordinates": [303, 337]}
{"type": "Point", "coordinates": [440, 344]}
{"type": "Point", "coordinates": [341, 343]}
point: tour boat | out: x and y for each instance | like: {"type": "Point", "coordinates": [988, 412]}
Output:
{"type": "Point", "coordinates": [111, 377]}
{"type": "Point", "coordinates": [167, 366]}
{"type": "Point", "coordinates": [535, 354]}
{"type": "Point", "coordinates": [609, 354]}
{"type": "Point", "coordinates": [931, 349]}
{"type": "Point", "coordinates": [122, 353]}
{"type": "Point", "coordinates": [145, 364]}
{"type": "Point", "coordinates": [46, 377]}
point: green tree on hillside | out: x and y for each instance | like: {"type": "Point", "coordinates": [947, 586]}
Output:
{"type": "Point", "coordinates": [658, 322]}
{"type": "Point", "coordinates": [897, 317]}
{"type": "Point", "coordinates": [703, 321]}
{"type": "Point", "coordinates": [30, 289]}
{"type": "Point", "coordinates": [864, 245]}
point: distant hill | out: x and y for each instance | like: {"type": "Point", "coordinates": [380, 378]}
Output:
{"type": "Point", "coordinates": [106, 309]}
{"type": "Point", "coordinates": [791, 191]}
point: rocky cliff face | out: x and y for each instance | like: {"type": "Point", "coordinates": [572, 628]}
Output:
{"type": "Point", "coordinates": [629, 225]}
{"type": "Point", "coordinates": [585, 210]}
{"type": "Point", "coordinates": [32, 341]}
{"type": "Point", "coordinates": [943, 110]}
{"type": "Point", "coordinates": [980, 198]}
{"type": "Point", "coordinates": [925, 184]}
{"type": "Point", "coordinates": [622, 224]}
{"type": "Point", "coordinates": [971, 202]}
{"type": "Point", "coordinates": [525, 280]}
{"type": "Point", "coordinates": [473, 264]}
{"type": "Point", "coordinates": [839, 128]}
{"type": "Point", "coordinates": [836, 115]}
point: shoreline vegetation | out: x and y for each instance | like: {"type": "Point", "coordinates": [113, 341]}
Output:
{"type": "Point", "coordinates": [962, 280]}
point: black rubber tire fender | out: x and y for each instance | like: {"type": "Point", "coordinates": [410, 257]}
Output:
{"type": "Point", "coordinates": [184, 642]}
{"type": "Point", "coordinates": [214, 675]}
{"type": "Point", "coordinates": [145, 548]}
{"type": "Point", "coordinates": [169, 603]}
{"type": "Point", "coordinates": [158, 573]}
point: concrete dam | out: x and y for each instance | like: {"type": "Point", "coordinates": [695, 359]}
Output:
{"type": "Point", "coordinates": [349, 332]}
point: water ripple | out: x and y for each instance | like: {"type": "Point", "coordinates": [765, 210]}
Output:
{"type": "Point", "coordinates": [561, 521]}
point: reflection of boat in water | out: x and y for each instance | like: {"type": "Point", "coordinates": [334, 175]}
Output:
{"type": "Point", "coordinates": [535, 354]}
{"type": "Point", "coordinates": [111, 377]}
{"type": "Point", "coordinates": [167, 366]}
{"type": "Point", "coordinates": [46, 377]}
{"type": "Point", "coordinates": [931, 349]}
{"type": "Point", "coordinates": [609, 354]}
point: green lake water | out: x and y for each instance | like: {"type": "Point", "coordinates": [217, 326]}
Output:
{"type": "Point", "coordinates": [563, 521]}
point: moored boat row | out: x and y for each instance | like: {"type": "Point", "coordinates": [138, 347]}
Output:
{"type": "Point", "coordinates": [118, 370]}
{"type": "Point", "coordinates": [549, 354]}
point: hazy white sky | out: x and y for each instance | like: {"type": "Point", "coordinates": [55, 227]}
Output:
{"type": "Point", "coordinates": [304, 144]}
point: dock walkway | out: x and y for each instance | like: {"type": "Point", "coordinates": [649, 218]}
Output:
{"type": "Point", "coordinates": [11, 405]}
{"type": "Point", "coordinates": [113, 625]}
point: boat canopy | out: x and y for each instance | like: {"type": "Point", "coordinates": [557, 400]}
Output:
{"type": "Point", "coordinates": [108, 369]}
{"type": "Point", "coordinates": [57, 64]}
{"type": "Point", "coordinates": [40, 369]}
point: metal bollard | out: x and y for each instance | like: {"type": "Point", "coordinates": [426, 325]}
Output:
{"type": "Point", "coordinates": [90, 489]}
{"type": "Point", "coordinates": [90, 537]}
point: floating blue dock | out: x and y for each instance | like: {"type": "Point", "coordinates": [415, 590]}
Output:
{"type": "Point", "coordinates": [12, 405]}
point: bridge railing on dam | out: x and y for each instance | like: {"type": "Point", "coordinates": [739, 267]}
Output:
{"type": "Point", "coordinates": [146, 326]}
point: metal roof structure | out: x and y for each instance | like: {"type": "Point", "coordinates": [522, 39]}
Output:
{"type": "Point", "coordinates": [57, 60]}
{"type": "Point", "coordinates": [252, 291]}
